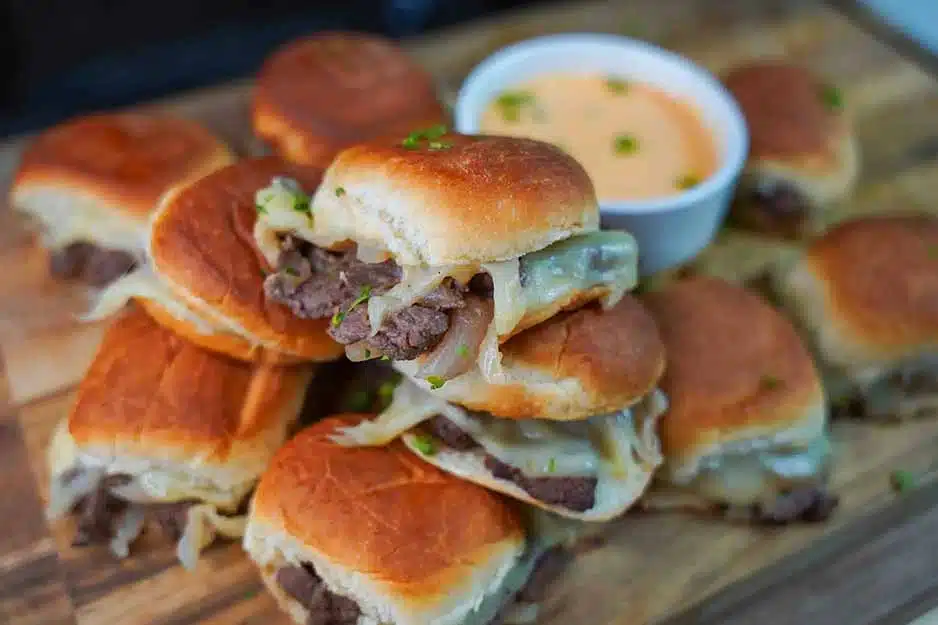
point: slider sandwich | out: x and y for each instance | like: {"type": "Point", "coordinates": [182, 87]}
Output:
{"type": "Point", "coordinates": [438, 248]}
{"type": "Point", "coordinates": [369, 536]}
{"type": "Point", "coordinates": [168, 436]}
{"type": "Point", "coordinates": [204, 276]}
{"type": "Point", "coordinates": [573, 432]}
{"type": "Point", "coordinates": [802, 150]}
{"type": "Point", "coordinates": [745, 432]}
{"type": "Point", "coordinates": [91, 184]}
{"type": "Point", "coordinates": [866, 295]}
{"type": "Point", "coordinates": [320, 94]}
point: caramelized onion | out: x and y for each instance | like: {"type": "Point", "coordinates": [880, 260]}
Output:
{"type": "Point", "coordinates": [459, 349]}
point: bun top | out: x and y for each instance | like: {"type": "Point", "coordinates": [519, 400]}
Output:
{"type": "Point", "coordinates": [879, 279]}
{"type": "Point", "coordinates": [317, 95]}
{"type": "Point", "coordinates": [454, 199]}
{"type": "Point", "coordinates": [790, 112]}
{"type": "Point", "coordinates": [413, 530]}
{"type": "Point", "coordinates": [124, 160]}
{"type": "Point", "coordinates": [151, 395]}
{"type": "Point", "coordinates": [202, 245]}
{"type": "Point", "coordinates": [737, 370]}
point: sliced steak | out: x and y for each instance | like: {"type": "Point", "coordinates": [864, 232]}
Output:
{"type": "Point", "coordinates": [778, 209]}
{"type": "Point", "coordinates": [324, 607]}
{"type": "Point", "coordinates": [572, 493]}
{"type": "Point", "coordinates": [97, 512]}
{"type": "Point", "coordinates": [89, 263]}
{"type": "Point", "coordinates": [810, 504]}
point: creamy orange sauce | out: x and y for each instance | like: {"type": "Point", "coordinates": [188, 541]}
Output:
{"type": "Point", "coordinates": [635, 141]}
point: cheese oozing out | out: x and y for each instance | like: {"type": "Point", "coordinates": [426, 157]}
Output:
{"type": "Point", "coordinates": [527, 290]}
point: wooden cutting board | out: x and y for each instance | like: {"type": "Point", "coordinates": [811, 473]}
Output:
{"type": "Point", "coordinates": [876, 562]}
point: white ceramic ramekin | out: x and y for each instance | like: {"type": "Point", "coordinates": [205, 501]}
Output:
{"type": "Point", "coordinates": [670, 230]}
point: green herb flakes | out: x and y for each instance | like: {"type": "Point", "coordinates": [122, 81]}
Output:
{"type": "Point", "coordinates": [687, 182]}
{"type": "Point", "coordinates": [424, 444]}
{"type": "Point", "coordinates": [290, 271]}
{"type": "Point", "coordinates": [462, 351]}
{"type": "Point", "coordinates": [511, 103]}
{"type": "Point", "coordinates": [386, 391]}
{"type": "Point", "coordinates": [339, 191]}
{"type": "Point", "coordinates": [436, 381]}
{"type": "Point", "coordinates": [902, 481]}
{"type": "Point", "coordinates": [431, 134]}
{"type": "Point", "coordinates": [261, 209]}
{"type": "Point", "coordinates": [301, 204]}
{"type": "Point", "coordinates": [832, 97]}
{"type": "Point", "coordinates": [617, 86]}
{"type": "Point", "coordinates": [552, 465]}
{"type": "Point", "coordinates": [337, 319]}
{"type": "Point", "coordinates": [439, 145]}
{"type": "Point", "coordinates": [385, 358]}
{"type": "Point", "coordinates": [625, 145]}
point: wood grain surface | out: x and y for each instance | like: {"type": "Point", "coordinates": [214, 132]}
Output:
{"type": "Point", "coordinates": [876, 562]}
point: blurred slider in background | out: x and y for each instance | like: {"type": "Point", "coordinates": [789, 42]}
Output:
{"type": "Point", "coordinates": [115, 54]}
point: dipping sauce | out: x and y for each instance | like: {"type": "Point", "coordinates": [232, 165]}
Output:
{"type": "Point", "coordinates": [635, 141]}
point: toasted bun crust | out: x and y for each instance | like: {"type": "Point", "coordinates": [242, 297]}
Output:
{"type": "Point", "coordinates": [150, 399]}
{"type": "Point", "coordinates": [408, 542]}
{"type": "Point", "coordinates": [484, 199]}
{"type": "Point", "coordinates": [868, 290]}
{"type": "Point", "coordinates": [737, 371]}
{"type": "Point", "coordinates": [794, 136]}
{"type": "Point", "coordinates": [201, 245]}
{"type": "Point", "coordinates": [317, 95]}
{"type": "Point", "coordinates": [222, 343]}
{"type": "Point", "coordinates": [98, 177]}
{"type": "Point", "coordinates": [574, 366]}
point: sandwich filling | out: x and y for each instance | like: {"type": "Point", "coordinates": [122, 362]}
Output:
{"type": "Point", "coordinates": [764, 482]}
{"type": "Point", "coordinates": [773, 207]}
{"type": "Point", "coordinates": [904, 391]}
{"type": "Point", "coordinates": [577, 466]}
{"type": "Point", "coordinates": [450, 317]}
{"type": "Point", "coordinates": [89, 263]}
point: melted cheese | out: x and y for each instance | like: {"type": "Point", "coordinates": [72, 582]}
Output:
{"type": "Point", "coordinates": [743, 478]}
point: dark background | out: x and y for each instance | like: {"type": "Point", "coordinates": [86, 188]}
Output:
{"type": "Point", "coordinates": [62, 57]}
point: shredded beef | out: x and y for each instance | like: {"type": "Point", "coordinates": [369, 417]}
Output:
{"type": "Point", "coordinates": [810, 504]}
{"type": "Point", "coordinates": [572, 493]}
{"type": "Point", "coordinates": [318, 284]}
{"type": "Point", "coordinates": [90, 264]}
{"type": "Point", "coordinates": [778, 209]}
{"type": "Point", "coordinates": [100, 510]}
{"type": "Point", "coordinates": [324, 607]}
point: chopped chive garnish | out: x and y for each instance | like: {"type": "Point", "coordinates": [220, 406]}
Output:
{"type": "Point", "coordinates": [385, 358]}
{"type": "Point", "coordinates": [832, 97]}
{"type": "Point", "coordinates": [367, 353]}
{"type": "Point", "coordinates": [770, 381]}
{"type": "Point", "coordinates": [435, 381]}
{"type": "Point", "coordinates": [687, 182]}
{"type": "Point", "coordinates": [902, 481]}
{"type": "Point", "coordinates": [462, 351]}
{"type": "Point", "coordinates": [625, 144]}
{"type": "Point", "coordinates": [339, 191]}
{"type": "Point", "coordinates": [439, 145]}
{"type": "Point", "coordinates": [386, 390]}
{"type": "Point", "coordinates": [337, 319]}
{"type": "Point", "coordinates": [510, 104]}
{"type": "Point", "coordinates": [260, 208]}
{"type": "Point", "coordinates": [301, 204]}
{"type": "Point", "coordinates": [552, 465]}
{"type": "Point", "coordinates": [412, 141]}
{"type": "Point", "coordinates": [424, 444]}
{"type": "Point", "coordinates": [290, 271]}
{"type": "Point", "coordinates": [617, 85]}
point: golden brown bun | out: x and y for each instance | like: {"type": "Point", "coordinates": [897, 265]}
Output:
{"type": "Point", "coordinates": [153, 402]}
{"type": "Point", "coordinates": [573, 366]}
{"type": "Point", "coordinates": [97, 178]}
{"type": "Point", "coordinates": [795, 138]}
{"type": "Point", "coordinates": [408, 542]}
{"type": "Point", "coordinates": [202, 246]}
{"type": "Point", "coordinates": [484, 199]}
{"type": "Point", "coordinates": [867, 290]}
{"type": "Point", "coordinates": [320, 94]}
{"type": "Point", "coordinates": [225, 343]}
{"type": "Point", "coordinates": [737, 371]}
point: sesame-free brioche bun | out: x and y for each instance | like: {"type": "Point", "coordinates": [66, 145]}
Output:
{"type": "Point", "coordinates": [195, 423]}
{"type": "Point", "coordinates": [866, 292]}
{"type": "Point", "coordinates": [97, 178]}
{"type": "Point", "coordinates": [473, 199]}
{"type": "Point", "coordinates": [800, 137]}
{"type": "Point", "coordinates": [405, 541]}
{"type": "Point", "coordinates": [317, 95]}
{"type": "Point", "coordinates": [737, 372]}
{"type": "Point", "coordinates": [573, 366]}
{"type": "Point", "coordinates": [205, 275]}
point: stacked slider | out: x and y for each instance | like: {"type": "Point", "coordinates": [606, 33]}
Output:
{"type": "Point", "coordinates": [475, 265]}
{"type": "Point", "coordinates": [197, 383]}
